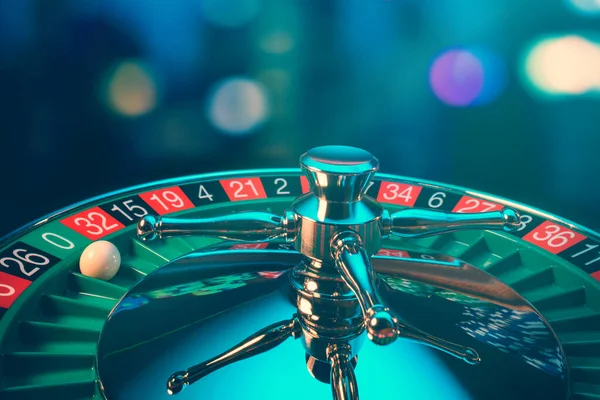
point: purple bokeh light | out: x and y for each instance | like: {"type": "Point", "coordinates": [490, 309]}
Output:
{"type": "Point", "coordinates": [457, 77]}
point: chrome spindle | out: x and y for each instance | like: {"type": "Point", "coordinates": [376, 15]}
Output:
{"type": "Point", "coordinates": [343, 379]}
{"type": "Point", "coordinates": [414, 223]}
{"type": "Point", "coordinates": [466, 354]}
{"type": "Point", "coordinates": [248, 226]}
{"type": "Point", "coordinates": [263, 340]}
{"type": "Point", "coordinates": [355, 268]}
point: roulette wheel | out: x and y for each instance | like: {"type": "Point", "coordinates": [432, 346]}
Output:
{"type": "Point", "coordinates": [331, 281]}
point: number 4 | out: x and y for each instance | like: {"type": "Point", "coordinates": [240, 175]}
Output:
{"type": "Point", "coordinates": [203, 193]}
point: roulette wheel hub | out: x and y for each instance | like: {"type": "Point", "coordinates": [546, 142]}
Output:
{"type": "Point", "coordinates": [337, 229]}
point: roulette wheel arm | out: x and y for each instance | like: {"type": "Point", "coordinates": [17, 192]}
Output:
{"type": "Point", "coordinates": [263, 340]}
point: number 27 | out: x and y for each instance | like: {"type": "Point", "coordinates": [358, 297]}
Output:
{"type": "Point", "coordinates": [477, 206]}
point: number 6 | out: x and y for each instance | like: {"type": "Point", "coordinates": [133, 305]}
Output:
{"type": "Point", "coordinates": [437, 198]}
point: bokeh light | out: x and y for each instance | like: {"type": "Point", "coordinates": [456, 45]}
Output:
{"type": "Point", "coordinates": [467, 77]}
{"type": "Point", "coordinates": [564, 65]}
{"type": "Point", "coordinates": [585, 7]}
{"type": "Point", "coordinates": [494, 75]}
{"type": "Point", "coordinates": [230, 13]}
{"type": "Point", "coordinates": [456, 77]}
{"type": "Point", "coordinates": [131, 89]}
{"type": "Point", "coordinates": [238, 105]}
{"type": "Point", "coordinates": [277, 42]}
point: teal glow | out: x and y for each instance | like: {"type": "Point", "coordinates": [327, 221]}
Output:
{"type": "Point", "coordinates": [230, 13]}
{"type": "Point", "coordinates": [280, 373]}
{"type": "Point", "coordinates": [585, 7]}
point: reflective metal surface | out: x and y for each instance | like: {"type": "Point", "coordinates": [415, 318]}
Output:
{"type": "Point", "coordinates": [263, 340]}
{"type": "Point", "coordinates": [338, 173]}
{"type": "Point", "coordinates": [414, 222]}
{"type": "Point", "coordinates": [251, 225]}
{"type": "Point", "coordinates": [203, 304]}
{"type": "Point", "coordinates": [343, 378]}
{"type": "Point", "coordinates": [337, 228]}
{"type": "Point", "coordinates": [355, 268]}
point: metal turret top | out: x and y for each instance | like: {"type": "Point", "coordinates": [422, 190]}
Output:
{"type": "Point", "coordinates": [338, 173]}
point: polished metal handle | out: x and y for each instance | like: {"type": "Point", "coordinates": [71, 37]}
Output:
{"type": "Point", "coordinates": [343, 378]}
{"type": "Point", "coordinates": [381, 325]}
{"type": "Point", "coordinates": [263, 340]}
{"type": "Point", "coordinates": [414, 222]}
{"type": "Point", "coordinates": [354, 266]}
{"type": "Point", "coordinates": [466, 354]}
{"type": "Point", "coordinates": [248, 226]}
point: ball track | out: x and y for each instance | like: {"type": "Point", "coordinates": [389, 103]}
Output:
{"type": "Point", "coordinates": [566, 309]}
{"type": "Point", "coordinates": [60, 345]}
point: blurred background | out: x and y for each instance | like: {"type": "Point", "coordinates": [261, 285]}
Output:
{"type": "Point", "coordinates": [501, 96]}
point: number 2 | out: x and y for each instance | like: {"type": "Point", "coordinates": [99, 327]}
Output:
{"type": "Point", "coordinates": [283, 186]}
